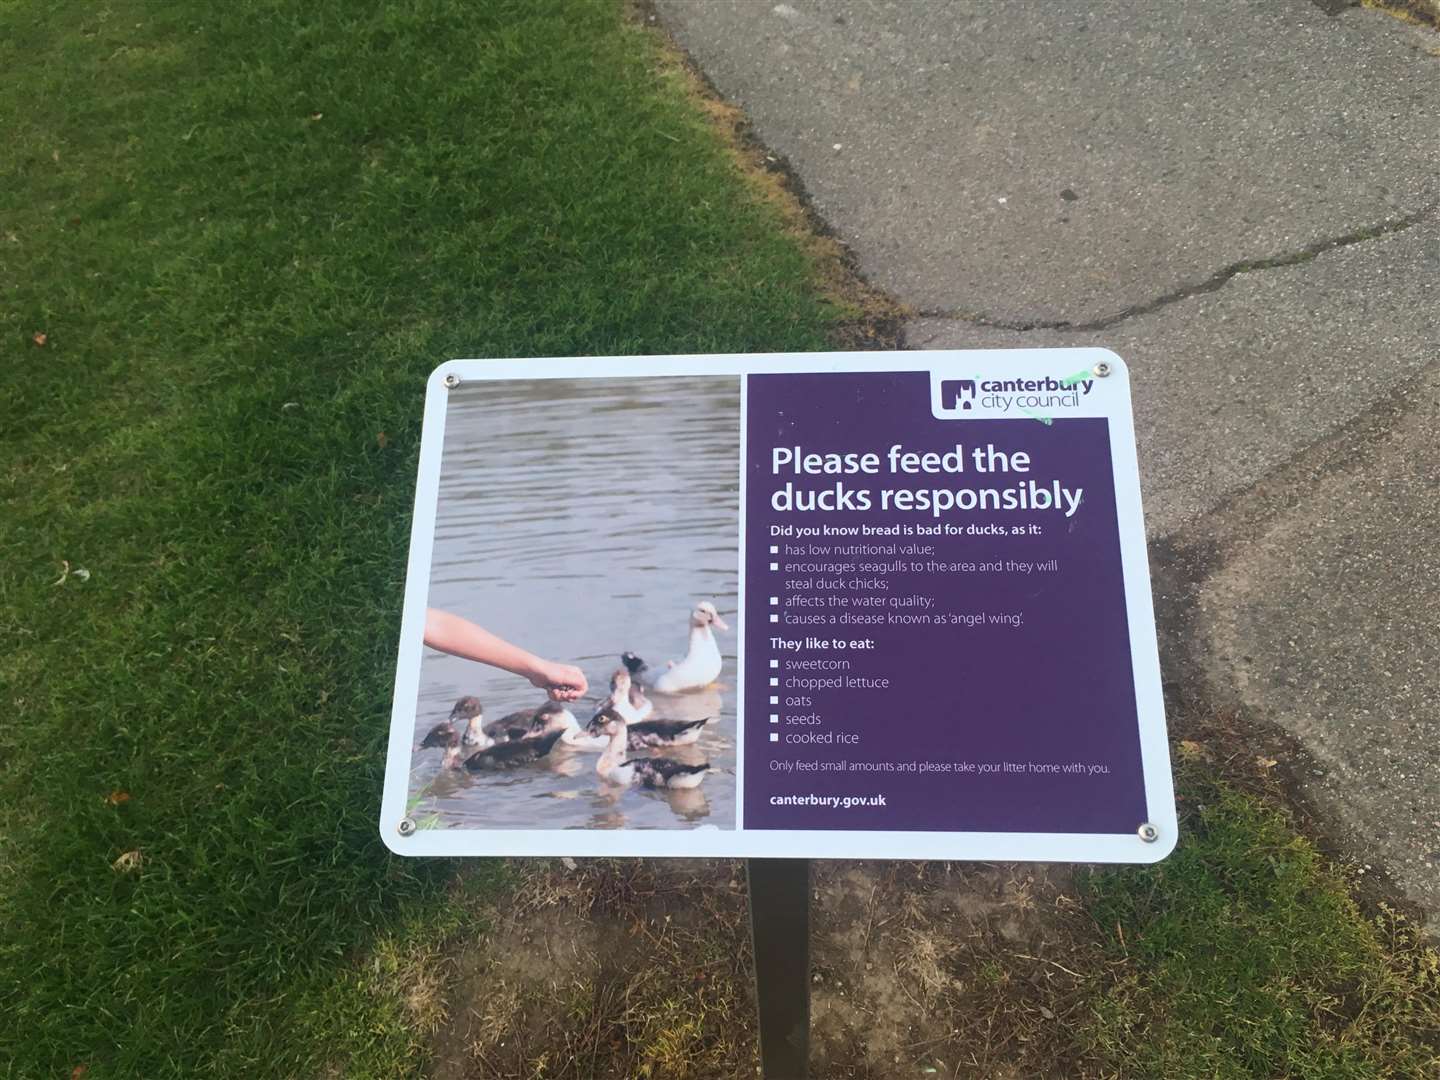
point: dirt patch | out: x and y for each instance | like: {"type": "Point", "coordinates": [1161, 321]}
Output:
{"type": "Point", "coordinates": [945, 969]}
{"type": "Point", "coordinates": [613, 968]}
{"type": "Point", "coordinates": [643, 968]}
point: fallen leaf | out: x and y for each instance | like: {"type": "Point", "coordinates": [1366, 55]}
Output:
{"type": "Point", "coordinates": [1046, 1013]}
{"type": "Point", "coordinates": [78, 1071]}
{"type": "Point", "coordinates": [64, 573]}
{"type": "Point", "coordinates": [383, 440]}
{"type": "Point", "coordinates": [317, 115]}
{"type": "Point", "coordinates": [82, 573]}
{"type": "Point", "coordinates": [128, 863]}
{"type": "Point", "coordinates": [54, 155]}
{"type": "Point", "coordinates": [40, 338]}
{"type": "Point", "coordinates": [116, 797]}
{"type": "Point", "coordinates": [1191, 749]}
{"type": "Point", "coordinates": [1266, 762]}
{"type": "Point", "coordinates": [74, 221]}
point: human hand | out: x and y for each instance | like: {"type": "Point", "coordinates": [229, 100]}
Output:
{"type": "Point", "coordinates": [561, 681]}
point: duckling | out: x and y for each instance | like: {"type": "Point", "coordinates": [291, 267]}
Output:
{"type": "Point", "coordinates": [625, 688]}
{"type": "Point", "coordinates": [615, 768]}
{"type": "Point", "coordinates": [528, 724]}
{"type": "Point", "coordinates": [649, 732]}
{"type": "Point", "coordinates": [519, 725]}
{"type": "Point", "coordinates": [702, 662]}
{"type": "Point", "coordinates": [571, 734]}
{"type": "Point", "coordinates": [509, 755]}
{"type": "Point", "coordinates": [468, 713]}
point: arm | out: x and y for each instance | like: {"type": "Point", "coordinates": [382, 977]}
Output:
{"type": "Point", "coordinates": [460, 637]}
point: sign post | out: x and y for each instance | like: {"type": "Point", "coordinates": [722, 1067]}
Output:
{"type": "Point", "coordinates": [780, 932]}
{"type": "Point", "coordinates": [780, 608]}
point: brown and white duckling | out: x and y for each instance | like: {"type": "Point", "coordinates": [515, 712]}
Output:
{"type": "Point", "coordinates": [654, 772]}
{"type": "Point", "coordinates": [528, 724]}
{"type": "Point", "coordinates": [625, 691]}
{"type": "Point", "coordinates": [525, 723]}
{"type": "Point", "coordinates": [702, 662]}
{"type": "Point", "coordinates": [509, 755]}
{"type": "Point", "coordinates": [649, 732]}
{"type": "Point", "coordinates": [468, 714]}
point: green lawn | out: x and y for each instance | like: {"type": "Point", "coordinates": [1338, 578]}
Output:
{"type": "Point", "coordinates": [248, 232]}
{"type": "Point", "coordinates": [233, 241]}
{"type": "Point", "coordinates": [1245, 955]}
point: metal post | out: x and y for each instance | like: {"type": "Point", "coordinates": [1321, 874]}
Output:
{"type": "Point", "coordinates": [780, 931]}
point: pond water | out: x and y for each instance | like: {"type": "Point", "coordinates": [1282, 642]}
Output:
{"type": "Point", "coordinates": [579, 519]}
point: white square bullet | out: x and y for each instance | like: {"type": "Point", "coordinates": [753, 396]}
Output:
{"type": "Point", "coordinates": [774, 682]}
{"type": "Point", "coordinates": [774, 618]}
{"type": "Point", "coordinates": [774, 736]}
{"type": "Point", "coordinates": [774, 663]}
{"type": "Point", "coordinates": [774, 600]}
{"type": "Point", "coordinates": [774, 566]}
{"type": "Point", "coordinates": [774, 700]}
{"type": "Point", "coordinates": [774, 718]}
{"type": "Point", "coordinates": [774, 550]}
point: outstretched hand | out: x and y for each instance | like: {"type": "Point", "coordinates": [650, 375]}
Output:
{"type": "Point", "coordinates": [562, 682]}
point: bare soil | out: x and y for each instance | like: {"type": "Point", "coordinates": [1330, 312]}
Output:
{"type": "Point", "coordinates": [643, 968]}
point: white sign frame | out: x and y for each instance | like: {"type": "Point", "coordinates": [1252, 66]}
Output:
{"type": "Point", "coordinates": [1058, 364]}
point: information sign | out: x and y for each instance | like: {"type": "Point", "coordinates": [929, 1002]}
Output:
{"type": "Point", "coordinates": [858, 605]}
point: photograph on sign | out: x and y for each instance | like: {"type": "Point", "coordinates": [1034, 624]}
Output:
{"type": "Point", "coordinates": [592, 525]}
{"type": "Point", "coordinates": [815, 605]}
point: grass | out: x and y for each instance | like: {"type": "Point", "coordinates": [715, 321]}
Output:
{"type": "Point", "coordinates": [233, 241]}
{"type": "Point", "coordinates": [1244, 954]}
{"type": "Point", "coordinates": [246, 233]}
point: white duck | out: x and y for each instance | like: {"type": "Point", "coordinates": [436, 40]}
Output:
{"type": "Point", "coordinates": [702, 662]}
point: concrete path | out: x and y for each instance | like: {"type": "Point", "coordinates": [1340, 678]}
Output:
{"type": "Point", "coordinates": [1243, 200]}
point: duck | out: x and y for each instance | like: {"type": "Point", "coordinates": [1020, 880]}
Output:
{"type": "Point", "coordinates": [571, 734]}
{"type": "Point", "coordinates": [528, 724]}
{"type": "Point", "coordinates": [509, 755]}
{"type": "Point", "coordinates": [625, 686]}
{"type": "Point", "coordinates": [702, 662]}
{"type": "Point", "coordinates": [648, 732]}
{"type": "Point", "coordinates": [468, 713]}
{"type": "Point", "coordinates": [653, 772]}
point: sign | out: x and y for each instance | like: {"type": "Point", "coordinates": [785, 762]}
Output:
{"type": "Point", "coordinates": [830, 605]}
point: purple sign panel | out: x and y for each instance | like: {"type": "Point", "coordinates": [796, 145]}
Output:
{"type": "Point", "coordinates": [938, 636]}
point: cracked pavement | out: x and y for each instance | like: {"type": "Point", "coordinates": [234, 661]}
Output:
{"type": "Point", "coordinates": [1243, 200]}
